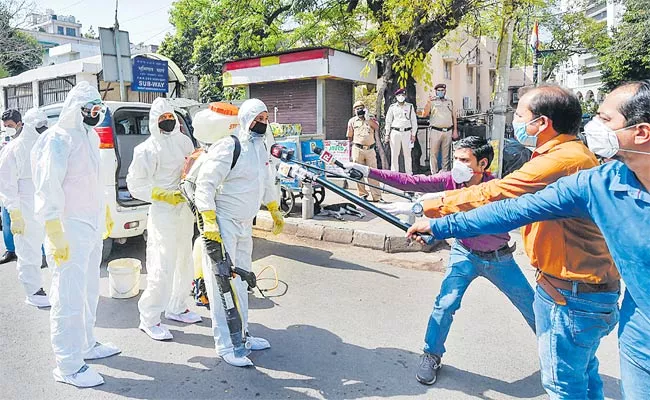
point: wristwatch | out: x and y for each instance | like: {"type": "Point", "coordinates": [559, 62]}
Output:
{"type": "Point", "coordinates": [417, 209]}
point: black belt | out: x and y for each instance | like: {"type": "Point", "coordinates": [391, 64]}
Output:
{"type": "Point", "coordinates": [491, 255]}
{"type": "Point", "coordinates": [401, 129]}
{"type": "Point", "coordinates": [372, 146]}
{"type": "Point", "coordinates": [441, 129]}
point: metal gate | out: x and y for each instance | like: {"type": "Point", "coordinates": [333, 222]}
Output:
{"type": "Point", "coordinates": [54, 91]}
{"type": "Point", "coordinates": [19, 97]}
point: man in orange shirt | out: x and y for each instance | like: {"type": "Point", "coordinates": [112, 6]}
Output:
{"type": "Point", "coordinates": [578, 284]}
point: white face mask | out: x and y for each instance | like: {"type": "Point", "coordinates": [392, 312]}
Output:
{"type": "Point", "coordinates": [401, 98]}
{"type": "Point", "coordinates": [602, 140]}
{"type": "Point", "coordinates": [461, 172]}
{"type": "Point", "coordinates": [10, 131]}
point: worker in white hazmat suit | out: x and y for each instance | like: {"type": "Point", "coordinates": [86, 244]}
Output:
{"type": "Point", "coordinates": [69, 200]}
{"type": "Point", "coordinates": [154, 175]}
{"type": "Point", "coordinates": [228, 200]}
{"type": "Point", "coordinates": [17, 194]}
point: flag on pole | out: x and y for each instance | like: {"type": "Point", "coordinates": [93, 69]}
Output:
{"type": "Point", "coordinates": [534, 37]}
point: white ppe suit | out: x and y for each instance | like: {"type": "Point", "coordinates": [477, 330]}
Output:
{"type": "Point", "coordinates": [17, 193]}
{"type": "Point", "coordinates": [65, 171]}
{"type": "Point", "coordinates": [158, 163]}
{"type": "Point", "coordinates": [236, 196]}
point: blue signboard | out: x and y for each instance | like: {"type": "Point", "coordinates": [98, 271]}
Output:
{"type": "Point", "coordinates": [150, 75]}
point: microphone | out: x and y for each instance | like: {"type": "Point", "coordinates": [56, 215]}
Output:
{"type": "Point", "coordinates": [281, 152]}
{"type": "Point", "coordinates": [329, 159]}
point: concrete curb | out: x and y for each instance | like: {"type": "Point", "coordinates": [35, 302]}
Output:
{"type": "Point", "coordinates": [358, 238]}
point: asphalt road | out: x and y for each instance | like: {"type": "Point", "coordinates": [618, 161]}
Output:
{"type": "Point", "coordinates": [346, 323]}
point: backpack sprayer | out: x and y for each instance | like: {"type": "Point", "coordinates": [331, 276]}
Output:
{"type": "Point", "coordinates": [302, 174]}
{"type": "Point", "coordinates": [212, 123]}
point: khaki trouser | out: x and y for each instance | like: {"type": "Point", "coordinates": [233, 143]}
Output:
{"type": "Point", "coordinates": [368, 158]}
{"type": "Point", "coordinates": [400, 141]}
{"type": "Point", "coordinates": [440, 143]}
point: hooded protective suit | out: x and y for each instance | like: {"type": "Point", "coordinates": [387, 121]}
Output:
{"type": "Point", "coordinates": [17, 194]}
{"type": "Point", "coordinates": [65, 171]}
{"type": "Point", "coordinates": [156, 167]}
{"type": "Point", "coordinates": [236, 196]}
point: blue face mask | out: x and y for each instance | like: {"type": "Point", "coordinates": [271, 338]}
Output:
{"type": "Point", "coordinates": [522, 136]}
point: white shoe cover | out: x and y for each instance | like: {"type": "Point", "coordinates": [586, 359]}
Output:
{"type": "Point", "coordinates": [157, 332]}
{"type": "Point", "coordinates": [38, 301]}
{"type": "Point", "coordinates": [187, 317]}
{"type": "Point", "coordinates": [102, 351]}
{"type": "Point", "coordinates": [85, 377]}
{"type": "Point", "coordinates": [237, 361]}
{"type": "Point", "coordinates": [257, 343]}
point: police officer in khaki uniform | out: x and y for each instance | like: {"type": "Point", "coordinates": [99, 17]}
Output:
{"type": "Point", "coordinates": [361, 134]}
{"type": "Point", "coordinates": [443, 128]}
{"type": "Point", "coordinates": [401, 127]}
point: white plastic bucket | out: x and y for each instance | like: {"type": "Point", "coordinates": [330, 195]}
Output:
{"type": "Point", "coordinates": [124, 278]}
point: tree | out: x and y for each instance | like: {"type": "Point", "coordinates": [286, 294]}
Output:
{"type": "Point", "coordinates": [626, 56]}
{"type": "Point", "coordinates": [91, 34]}
{"type": "Point", "coordinates": [20, 52]}
{"type": "Point", "coordinates": [571, 32]}
{"type": "Point", "coordinates": [209, 33]}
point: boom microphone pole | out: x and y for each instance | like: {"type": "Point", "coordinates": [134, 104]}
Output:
{"type": "Point", "coordinates": [303, 175]}
{"type": "Point", "coordinates": [287, 155]}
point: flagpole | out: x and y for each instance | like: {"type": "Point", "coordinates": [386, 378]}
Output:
{"type": "Point", "coordinates": [534, 41]}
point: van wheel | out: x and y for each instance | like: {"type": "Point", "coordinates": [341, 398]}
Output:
{"type": "Point", "coordinates": [107, 248]}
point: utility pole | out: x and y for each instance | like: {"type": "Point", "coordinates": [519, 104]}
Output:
{"type": "Point", "coordinates": [116, 32]}
{"type": "Point", "coordinates": [504, 55]}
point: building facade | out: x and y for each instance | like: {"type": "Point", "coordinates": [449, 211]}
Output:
{"type": "Point", "coordinates": [582, 72]}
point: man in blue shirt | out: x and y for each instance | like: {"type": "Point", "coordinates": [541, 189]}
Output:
{"type": "Point", "coordinates": [616, 196]}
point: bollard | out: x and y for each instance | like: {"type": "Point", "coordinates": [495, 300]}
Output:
{"type": "Point", "coordinates": [307, 201]}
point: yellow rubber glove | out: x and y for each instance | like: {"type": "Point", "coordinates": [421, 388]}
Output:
{"type": "Point", "coordinates": [57, 240]}
{"type": "Point", "coordinates": [17, 222]}
{"type": "Point", "coordinates": [109, 224]}
{"type": "Point", "coordinates": [173, 197]}
{"type": "Point", "coordinates": [210, 227]}
{"type": "Point", "coordinates": [278, 219]}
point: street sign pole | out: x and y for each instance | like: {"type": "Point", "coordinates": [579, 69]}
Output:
{"type": "Point", "coordinates": [116, 35]}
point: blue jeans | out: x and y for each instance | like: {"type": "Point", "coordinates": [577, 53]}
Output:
{"type": "Point", "coordinates": [634, 347]}
{"type": "Point", "coordinates": [463, 268]}
{"type": "Point", "coordinates": [567, 339]}
{"type": "Point", "coordinates": [6, 231]}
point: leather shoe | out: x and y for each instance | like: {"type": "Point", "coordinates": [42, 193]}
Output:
{"type": "Point", "coordinates": [9, 256]}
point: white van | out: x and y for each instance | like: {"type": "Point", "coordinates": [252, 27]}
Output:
{"type": "Point", "coordinates": [126, 125]}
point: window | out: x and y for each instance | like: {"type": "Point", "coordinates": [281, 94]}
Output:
{"type": "Point", "coordinates": [448, 67]}
{"type": "Point", "coordinates": [470, 75]}
{"type": "Point", "coordinates": [19, 97]}
{"type": "Point", "coordinates": [54, 91]}
{"type": "Point", "coordinates": [467, 103]}
{"type": "Point", "coordinates": [59, 30]}
{"type": "Point", "coordinates": [70, 32]}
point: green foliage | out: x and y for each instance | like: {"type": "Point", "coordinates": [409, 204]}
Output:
{"type": "Point", "coordinates": [589, 106]}
{"type": "Point", "coordinates": [91, 34]}
{"type": "Point", "coordinates": [20, 51]}
{"type": "Point", "coordinates": [626, 56]}
{"type": "Point", "coordinates": [397, 32]}
{"type": "Point", "coordinates": [571, 33]}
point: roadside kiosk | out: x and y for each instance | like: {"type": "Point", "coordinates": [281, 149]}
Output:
{"type": "Point", "coordinates": [309, 95]}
